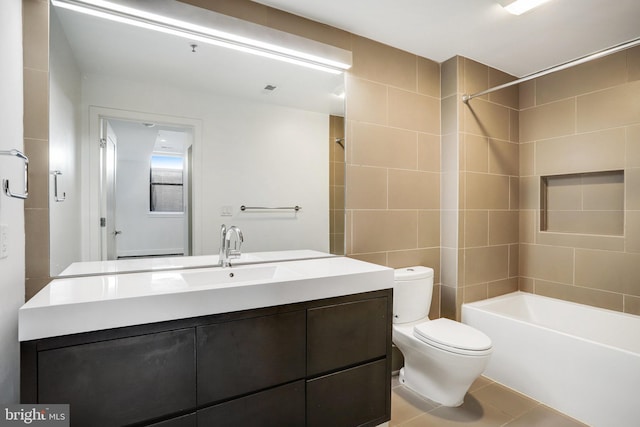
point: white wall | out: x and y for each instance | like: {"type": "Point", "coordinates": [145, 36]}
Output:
{"type": "Point", "coordinates": [12, 268]}
{"type": "Point", "coordinates": [250, 153]}
{"type": "Point", "coordinates": [142, 233]}
{"type": "Point", "coordinates": [64, 151]}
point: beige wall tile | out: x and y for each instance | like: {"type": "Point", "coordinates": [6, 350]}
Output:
{"type": "Point", "coordinates": [503, 157]}
{"type": "Point", "coordinates": [487, 119]}
{"type": "Point", "coordinates": [610, 271]}
{"type": "Point", "coordinates": [428, 152]}
{"type": "Point", "coordinates": [384, 64]}
{"type": "Point", "coordinates": [526, 153]}
{"type": "Point", "coordinates": [586, 222]}
{"type": "Point", "coordinates": [379, 258]}
{"type": "Point", "coordinates": [564, 192]}
{"type": "Point", "coordinates": [476, 228]}
{"type": "Point", "coordinates": [548, 121]}
{"type": "Point", "coordinates": [428, 77]}
{"type": "Point", "coordinates": [35, 34]}
{"type": "Point", "coordinates": [633, 63]}
{"type": "Point", "coordinates": [502, 287]}
{"type": "Point", "coordinates": [580, 295]}
{"type": "Point", "coordinates": [428, 229]}
{"type": "Point", "coordinates": [508, 97]}
{"type": "Point", "coordinates": [242, 9]}
{"type": "Point", "coordinates": [632, 305]}
{"type": "Point", "coordinates": [486, 264]}
{"type": "Point", "coordinates": [413, 189]}
{"type": "Point", "coordinates": [375, 145]}
{"type": "Point", "coordinates": [528, 226]}
{"type": "Point", "coordinates": [514, 193]}
{"type": "Point", "coordinates": [38, 153]}
{"type": "Point", "coordinates": [514, 125]}
{"type": "Point", "coordinates": [529, 192]}
{"type": "Point", "coordinates": [633, 231]}
{"type": "Point", "coordinates": [378, 231]}
{"type": "Point", "coordinates": [33, 285]}
{"type": "Point", "coordinates": [632, 182]}
{"type": "Point", "coordinates": [605, 191]}
{"type": "Point", "coordinates": [525, 284]}
{"type": "Point", "coordinates": [36, 223]}
{"type": "Point", "coordinates": [608, 108]}
{"type": "Point", "coordinates": [294, 24]}
{"type": "Point", "coordinates": [596, 151]}
{"type": "Point", "coordinates": [586, 241]}
{"type": "Point", "coordinates": [476, 77]}
{"type": "Point", "coordinates": [486, 191]}
{"type": "Point", "coordinates": [476, 153]}
{"type": "Point", "coordinates": [591, 76]}
{"type": "Point", "coordinates": [449, 109]}
{"type": "Point", "coordinates": [409, 110]}
{"type": "Point", "coordinates": [503, 227]}
{"type": "Point", "coordinates": [426, 257]}
{"type": "Point", "coordinates": [527, 94]}
{"type": "Point", "coordinates": [367, 188]}
{"type": "Point", "coordinates": [434, 311]}
{"type": "Point", "coordinates": [549, 263]}
{"type": "Point", "coordinates": [367, 101]}
{"type": "Point", "coordinates": [633, 147]}
{"type": "Point", "coordinates": [514, 256]}
{"type": "Point", "coordinates": [475, 293]}
{"type": "Point", "coordinates": [36, 104]}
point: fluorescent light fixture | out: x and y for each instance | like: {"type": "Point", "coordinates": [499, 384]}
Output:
{"type": "Point", "coordinates": [518, 7]}
{"type": "Point", "coordinates": [120, 12]}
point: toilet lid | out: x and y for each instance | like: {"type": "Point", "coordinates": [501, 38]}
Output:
{"type": "Point", "coordinates": [452, 336]}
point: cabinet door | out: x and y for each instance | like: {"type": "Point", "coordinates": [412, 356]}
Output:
{"type": "Point", "coordinates": [121, 381]}
{"type": "Point", "coordinates": [247, 355]}
{"type": "Point", "coordinates": [353, 397]}
{"type": "Point", "coordinates": [278, 407]}
{"type": "Point", "coordinates": [346, 334]}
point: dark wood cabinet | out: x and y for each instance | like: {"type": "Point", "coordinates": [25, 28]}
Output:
{"type": "Point", "coordinates": [282, 406]}
{"type": "Point", "coordinates": [323, 362]}
{"type": "Point", "coordinates": [121, 381]}
{"type": "Point", "coordinates": [242, 356]}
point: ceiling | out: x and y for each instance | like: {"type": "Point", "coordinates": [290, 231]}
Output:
{"type": "Point", "coordinates": [554, 33]}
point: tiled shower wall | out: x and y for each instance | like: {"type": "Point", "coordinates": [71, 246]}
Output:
{"type": "Point", "coordinates": [583, 120]}
{"type": "Point", "coordinates": [480, 185]}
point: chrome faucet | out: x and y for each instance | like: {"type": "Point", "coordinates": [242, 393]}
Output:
{"type": "Point", "coordinates": [226, 253]}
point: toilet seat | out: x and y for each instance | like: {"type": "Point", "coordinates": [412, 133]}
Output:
{"type": "Point", "coordinates": [452, 336]}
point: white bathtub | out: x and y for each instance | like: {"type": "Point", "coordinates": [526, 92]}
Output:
{"type": "Point", "coordinates": [581, 360]}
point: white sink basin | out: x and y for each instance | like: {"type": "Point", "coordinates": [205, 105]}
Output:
{"type": "Point", "coordinates": [237, 275]}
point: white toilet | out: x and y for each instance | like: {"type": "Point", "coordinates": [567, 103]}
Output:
{"type": "Point", "coordinates": [441, 357]}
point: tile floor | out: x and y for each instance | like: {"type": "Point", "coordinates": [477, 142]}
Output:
{"type": "Point", "coordinates": [487, 404]}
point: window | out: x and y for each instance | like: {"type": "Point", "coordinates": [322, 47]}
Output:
{"type": "Point", "coordinates": [166, 183]}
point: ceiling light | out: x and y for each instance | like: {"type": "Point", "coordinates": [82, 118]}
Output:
{"type": "Point", "coordinates": [119, 11]}
{"type": "Point", "coordinates": [518, 7]}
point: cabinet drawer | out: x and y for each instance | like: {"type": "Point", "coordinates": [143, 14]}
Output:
{"type": "Point", "coordinates": [243, 356]}
{"type": "Point", "coordinates": [188, 420]}
{"type": "Point", "coordinates": [351, 397]}
{"type": "Point", "coordinates": [346, 334]}
{"type": "Point", "coordinates": [121, 381]}
{"type": "Point", "coordinates": [279, 407]}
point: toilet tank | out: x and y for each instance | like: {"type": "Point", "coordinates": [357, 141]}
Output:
{"type": "Point", "coordinates": [412, 290]}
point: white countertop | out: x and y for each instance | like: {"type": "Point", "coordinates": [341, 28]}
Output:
{"type": "Point", "coordinates": [83, 304]}
{"type": "Point", "coordinates": [132, 265]}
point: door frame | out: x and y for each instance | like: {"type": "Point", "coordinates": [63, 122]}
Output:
{"type": "Point", "coordinates": [92, 197]}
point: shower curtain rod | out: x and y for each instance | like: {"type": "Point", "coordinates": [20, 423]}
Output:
{"type": "Point", "coordinates": [466, 98]}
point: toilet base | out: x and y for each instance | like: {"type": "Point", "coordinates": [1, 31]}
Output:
{"type": "Point", "coordinates": [402, 379]}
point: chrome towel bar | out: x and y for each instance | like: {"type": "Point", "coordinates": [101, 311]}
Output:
{"type": "Point", "coordinates": [5, 182]}
{"type": "Point", "coordinates": [265, 208]}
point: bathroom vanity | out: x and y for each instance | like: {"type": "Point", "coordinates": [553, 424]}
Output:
{"type": "Point", "coordinates": [286, 344]}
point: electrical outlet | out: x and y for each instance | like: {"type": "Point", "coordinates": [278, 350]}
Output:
{"type": "Point", "coordinates": [4, 241]}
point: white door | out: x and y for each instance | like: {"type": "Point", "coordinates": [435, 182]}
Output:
{"type": "Point", "coordinates": [108, 165]}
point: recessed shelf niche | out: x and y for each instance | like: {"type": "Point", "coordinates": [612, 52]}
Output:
{"type": "Point", "coordinates": [583, 203]}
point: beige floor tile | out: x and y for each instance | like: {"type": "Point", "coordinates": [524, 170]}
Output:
{"type": "Point", "coordinates": [406, 405]}
{"type": "Point", "coordinates": [543, 416]}
{"type": "Point", "coordinates": [472, 413]}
